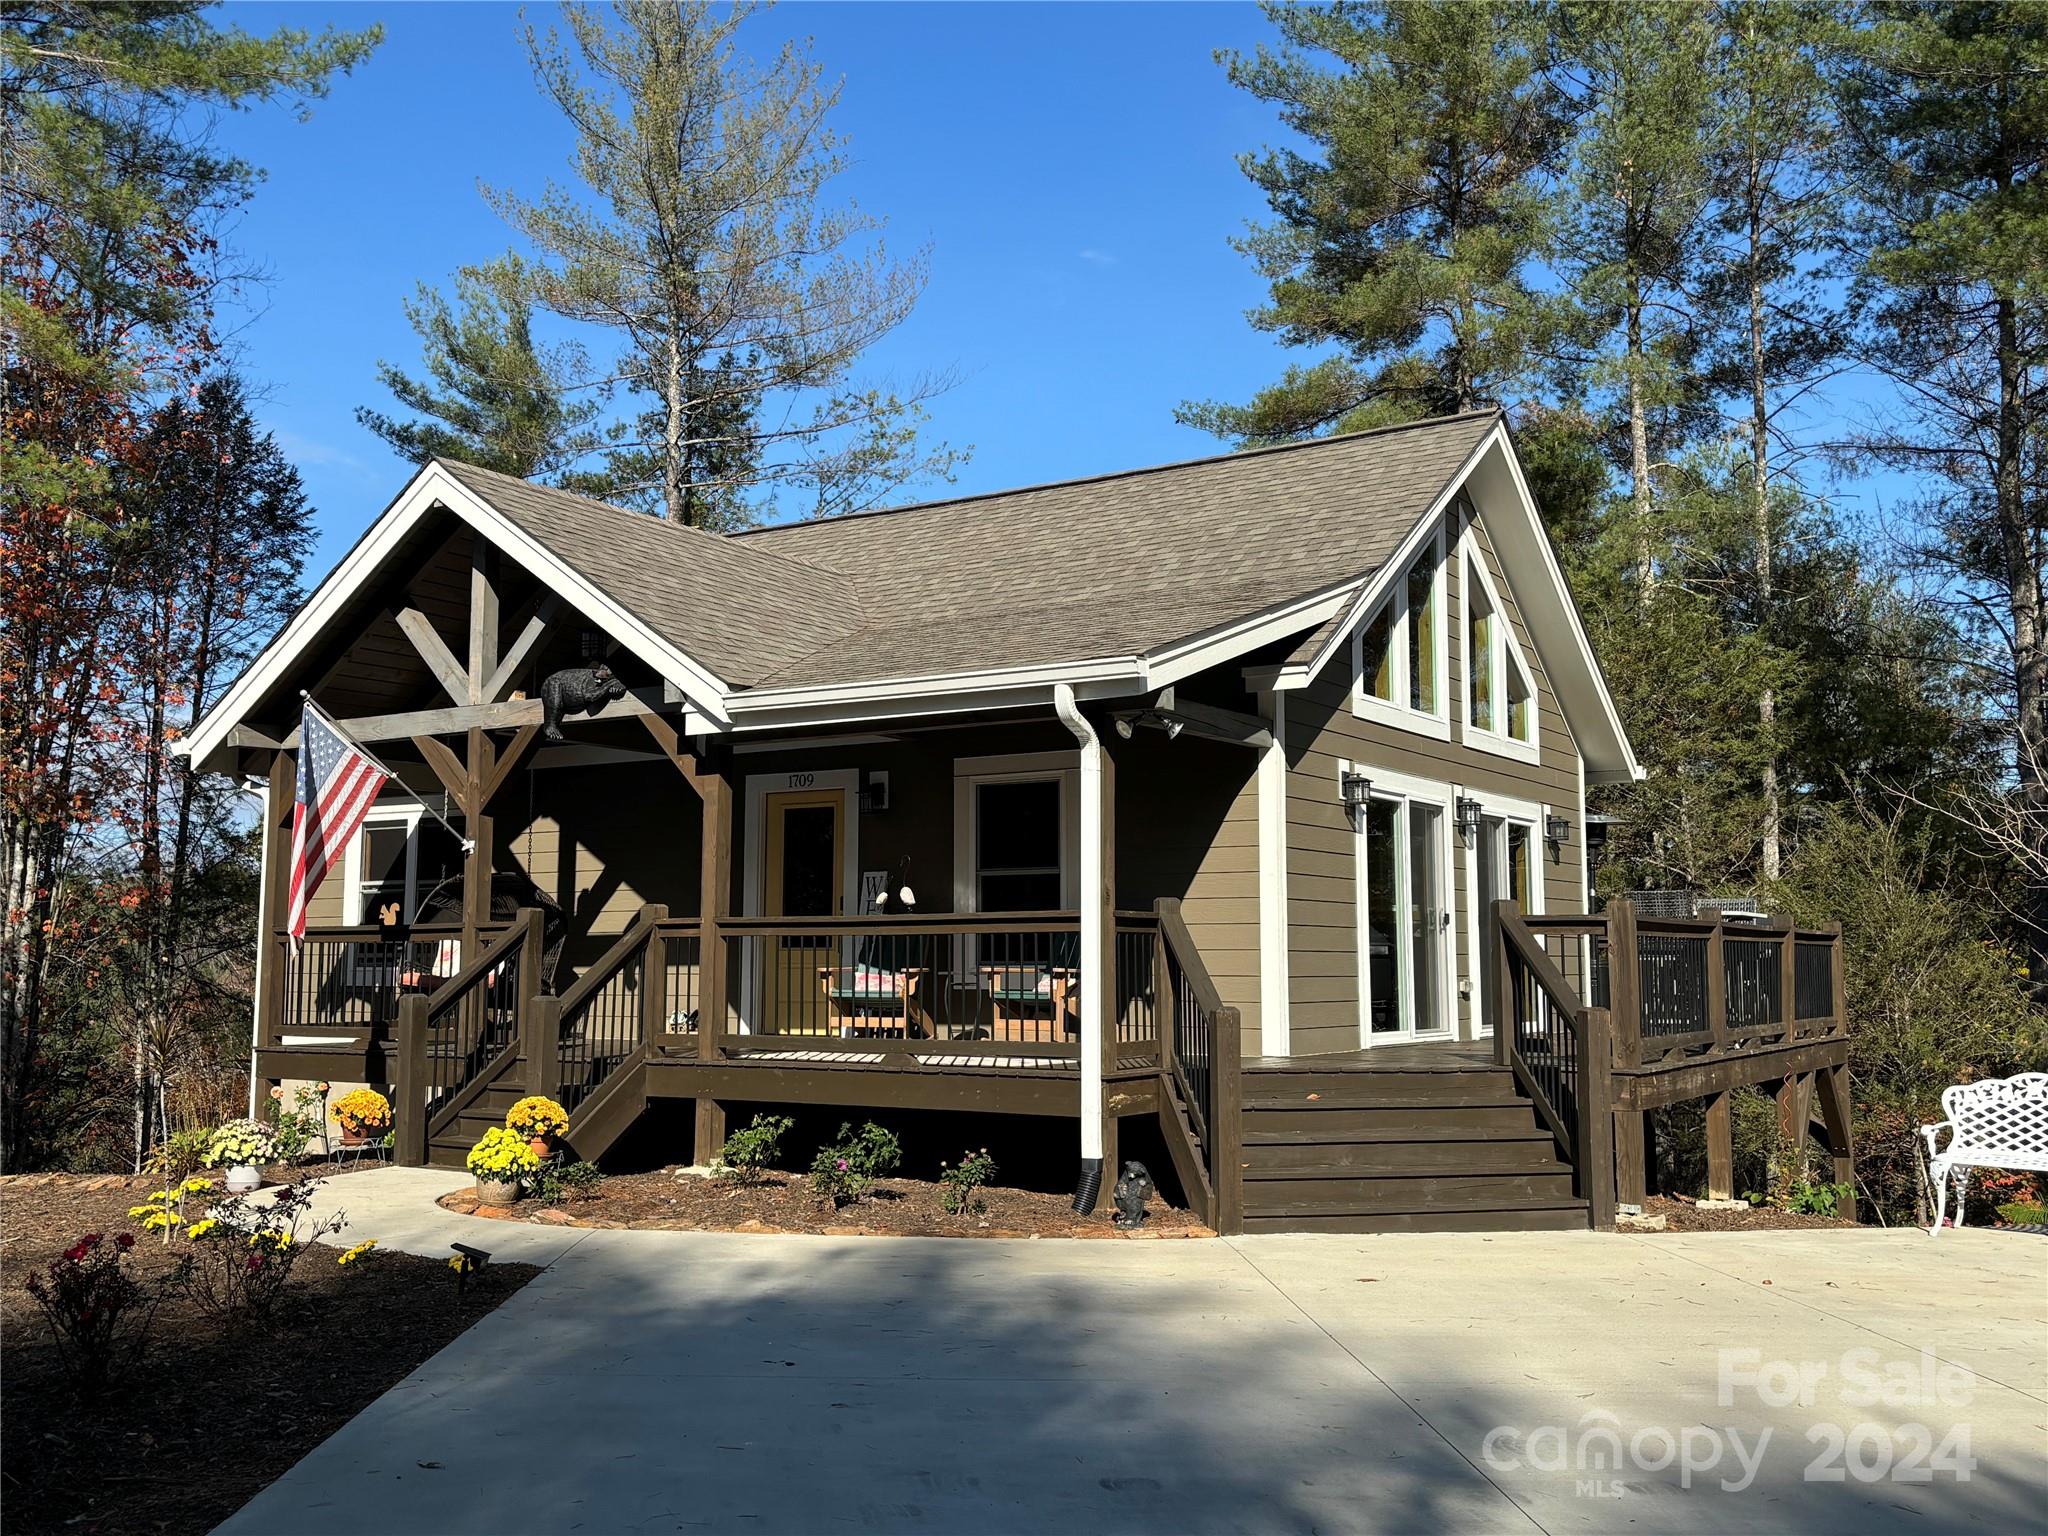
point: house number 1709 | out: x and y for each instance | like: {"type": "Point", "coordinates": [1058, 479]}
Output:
{"type": "Point", "coordinates": [802, 780]}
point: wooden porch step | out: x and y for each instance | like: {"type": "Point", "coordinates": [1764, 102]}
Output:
{"type": "Point", "coordinates": [1392, 1121]}
{"type": "Point", "coordinates": [1348, 1194]}
{"type": "Point", "coordinates": [1521, 1216]}
{"type": "Point", "coordinates": [1378, 1090]}
{"type": "Point", "coordinates": [1375, 1159]}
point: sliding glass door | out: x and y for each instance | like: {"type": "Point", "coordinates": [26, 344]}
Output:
{"type": "Point", "coordinates": [1404, 918]}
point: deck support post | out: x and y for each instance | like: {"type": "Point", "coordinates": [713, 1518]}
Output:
{"type": "Point", "coordinates": [1594, 1133]}
{"type": "Point", "coordinates": [1833, 1083]}
{"type": "Point", "coordinates": [1624, 984]}
{"type": "Point", "coordinates": [1793, 1117]}
{"type": "Point", "coordinates": [409, 1084]}
{"type": "Point", "coordinates": [1631, 1163]}
{"type": "Point", "coordinates": [1720, 1148]}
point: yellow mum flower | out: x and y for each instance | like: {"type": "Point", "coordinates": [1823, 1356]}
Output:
{"type": "Point", "coordinates": [357, 1252]}
{"type": "Point", "coordinates": [199, 1229]}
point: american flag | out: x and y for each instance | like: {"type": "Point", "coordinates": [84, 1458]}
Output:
{"type": "Point", "coordinates": [338, 783]}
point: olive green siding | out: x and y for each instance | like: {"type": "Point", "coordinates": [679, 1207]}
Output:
{"type": "Point", "coordinates": [1322, 731]}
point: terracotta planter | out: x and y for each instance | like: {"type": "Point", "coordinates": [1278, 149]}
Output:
{"type": "Point", "coordinates": [497, 1191]}
{"type": "Point", "coordinates": [357, 1136]}
{"type": "Point", "coordinates": [543, 1147]}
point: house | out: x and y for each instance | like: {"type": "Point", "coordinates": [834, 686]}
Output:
{"type": "Point", "coordinates": [1187, 794]}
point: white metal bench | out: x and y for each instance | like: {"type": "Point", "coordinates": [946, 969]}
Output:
{"type": "Point", "coordinates": [2001, 1122]}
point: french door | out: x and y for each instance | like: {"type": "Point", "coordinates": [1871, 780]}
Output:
{"type": "Point", "coordinates": [1404, 918]}
{"type": "Point", "coordinates": [1504, 859]}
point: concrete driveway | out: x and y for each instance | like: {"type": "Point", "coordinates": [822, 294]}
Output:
{"type": "Point", "coordinates": [1858, 1382]}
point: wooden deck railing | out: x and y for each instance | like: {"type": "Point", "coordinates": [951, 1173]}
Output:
{"type": "Point", "coordinates": [1003, 985]}
{"type": "Point", "coordinates": [616, 1006]}
{"type": "Point", "coordinates": [1560, 1052]}
{"type": "Point", "coordinates": [454, 1042]}
{"type": "Point", "coordinates": [1199, 1059]}
{"type": "Point", "coordinates": [343, 978]}
{"type": "Point", "coordinates": [1606, 1015]}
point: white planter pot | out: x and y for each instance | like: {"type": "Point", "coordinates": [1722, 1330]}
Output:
{"type": "Point", "coordinates": [244, 1178]}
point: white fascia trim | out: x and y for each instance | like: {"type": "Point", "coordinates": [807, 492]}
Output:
{"type": "Point", "coordinates": [939, 685]}
{"type": "Point", "coordinates": [1367, 596]}
{"type": "Point", "coordinates": [1184, 658]}
{"type": "Point", "coordinates": [434, 486]}
{"type": "Point", "coordinates": [1631, 770]}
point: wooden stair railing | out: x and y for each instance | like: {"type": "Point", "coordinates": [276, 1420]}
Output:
{"type": "Point", "coordinates": [1200, 1076]}
{"type": "Point", "coordinates": [1562, 1055]}
{"type": "Point", "coordinates": [601, 1033]}
{"type": "Point", "coordinates": [457, 1041]}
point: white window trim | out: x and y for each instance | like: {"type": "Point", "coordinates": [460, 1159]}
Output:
{"type": "Point", "coordinates": [1532, 814]}
{"type": "Point", "coordinates": [1507, 652]}
{"type": "Point", "coordinates": [1397, 713]}
{"type": "Point", "coordinates": [1387, 785]}
{"type": "Point", "coordinates": [407, 816]}
{"type": "Point", "coordinates": [1014, 768]}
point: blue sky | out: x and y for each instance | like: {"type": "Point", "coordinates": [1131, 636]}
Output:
{"type": "Point", "coordinates": [1072, 168]}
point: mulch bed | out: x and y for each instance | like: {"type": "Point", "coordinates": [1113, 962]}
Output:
{"type": "Point", "coordinates": [208, 1417]}
{"type": "Point", "coordinates": [677, 1201]}
{"type": "Point", "coordinates": [1682, 1215]}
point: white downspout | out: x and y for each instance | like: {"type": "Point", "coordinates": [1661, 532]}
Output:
{"type": "Point", "coordinates": [1092, 938]}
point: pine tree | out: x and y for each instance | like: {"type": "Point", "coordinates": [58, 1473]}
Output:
{"type": "Point", "coordinates": [1947, 106]}
{"type": "Point", "coordinates": [1776, 330]}
{"type": "Point", "coordinates": [1405, 243]}
{"type": "Point", "coordinates": [698, 235]}
{"type": "Point", "coordinates": [1641, 184]}
{"type": "Point", "coordinates": [492, 396]}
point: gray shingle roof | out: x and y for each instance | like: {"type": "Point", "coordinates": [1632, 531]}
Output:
{"type": "Point", "coordinates": [1118, 565]}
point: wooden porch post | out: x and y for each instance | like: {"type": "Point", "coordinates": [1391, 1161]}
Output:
{"type": "Point", "coordinates": [273, 957]}
{"type": "Point", "coordinates": [409, 1084]}
{"type": "Point", "coordinates": [1720, 1148]}
{"type": "Point", "coordinates": [476, 825]}
{"type": "Point", "coordinates": [1595, 1131]}
{"type": "Point", "coordinates": [541, 1025]}
{"type": "Point", "coordinates": [1624, 983]}
{"type": "Point", "coordinates": [714, 788]}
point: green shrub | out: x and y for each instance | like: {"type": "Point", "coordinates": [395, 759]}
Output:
{"type": "Point", "coordinates": [557, 1180]}
{"type": "Point", "coordinates": [965, 1181]}
{"type": "Point", "coordinates": [873, 1151]}
{"type": "Point", "coordinates": [180, 1155]}
{"type": "Point", "coordinates": [2023, 1213]}
{"type": "Point", "coordinates": [834, 1179]}
{"type": "Point", "coordinates": [1817, 1199]}
{"type": "Point", "coordinates": [746, 1153]}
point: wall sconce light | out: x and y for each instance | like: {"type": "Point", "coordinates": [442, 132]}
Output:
{"type": "Point", "coordinates": [1356, 791]}
{"type": "Point", "coordinates": [1557, 829]}
{"type": "Point", "coordinates": [1468, 815]}
{"type": "Point", "coordinates": [874, 794]}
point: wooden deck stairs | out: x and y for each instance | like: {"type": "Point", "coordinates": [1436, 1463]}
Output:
{"type": "Point", "coordinates": [1407, 1139]}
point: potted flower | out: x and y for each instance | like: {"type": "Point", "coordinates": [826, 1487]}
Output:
{"type": "Point", "coordinates": [540, 1120]}
{"type": "Point", "coordinates": [242, 1147]}
{"type": "Point", "coordinates": [364, 1115]}
{"type": "Point", "coordinates": [498, 1162]}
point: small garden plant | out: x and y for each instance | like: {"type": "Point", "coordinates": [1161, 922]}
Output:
{"type": "Point", "coordinates": [964, 1181]}
{"type": "Point", "coordinates": [1816, 1199]}
{"type": "Point", "coordinates": [558, 1180]}
{"type": "Point", "coordinates": [295, 1128]}
{"type": "Point", "coordinates": [845, 1170]}
{"type": "Point", "coordinates": [240, 1142]}
{"type": "Point", "coordinates": [363, 1112]}
{"type": "Point", "coordinates": [98, 1311]}
{"type": "Point", "coordinates": [537, 1118]}
{"type": "Point", "coordinates": [243, 1253]}
{"type": "Point", "coordinates": [502, 1156]}
{"type": "Point", "coordinates": [179, 1155]}
{"type": "Point", "coordinates": [748, 1152]}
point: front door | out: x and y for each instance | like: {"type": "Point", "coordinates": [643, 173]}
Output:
{"type": "Point", "coordinates": [1404, 938]}
{"type": "Point", "coordinates": [805, 876]}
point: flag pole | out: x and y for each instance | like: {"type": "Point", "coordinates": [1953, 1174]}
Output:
{"type": "Point", "coordinates": [468, 843]}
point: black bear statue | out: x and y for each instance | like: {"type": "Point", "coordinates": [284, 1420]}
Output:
{"type": "Point", "coordinates": [575, 691]}
{"type": "Point", "coordinates": [1132, 1190]}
